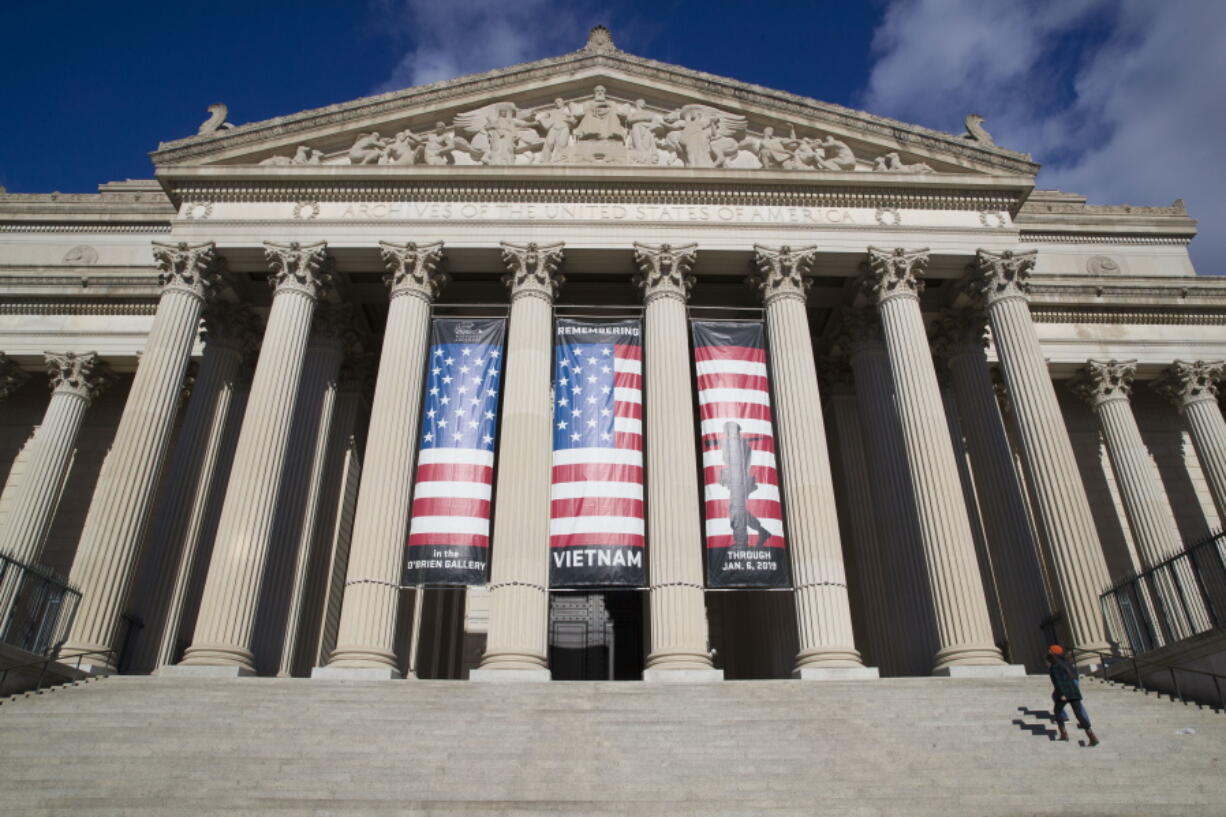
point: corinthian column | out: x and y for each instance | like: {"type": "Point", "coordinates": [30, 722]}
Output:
{"type": "Point", "coordinates": [226, 622]}
{"type": "Point", "coordinates": [12, 377]}
{"type": "Point", "coordinates": [1061, 506]}
{"type": "Point", "coordinates": [76, 380]}
{"type": "Point", "coordinates": [964, 629]}
{"type": "Point", "coordinates": [519, 576]}
{"type": "Point", "coordinates": [115, 526]}
{"type": "Point", "coordinates": [366, 638]}
{"type": "Point", "coordinates": [823, 612]}
{"type": "Point", "coordinates": [229, 332]}
{"type": "Point", "coordinates": [959, 342]}
{"type": "Point", "coordinates": [1192, 388]}
{"type": "Point", "coordinates": [679, 637]}
{"type": "Point", "coordinates": [1106, 386]}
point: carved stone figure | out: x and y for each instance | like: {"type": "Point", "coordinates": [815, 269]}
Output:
{"type": "Point", "coordinates": [501, 132]}
{"type": "Point", "coordinates": [837, 155]}
{"type": "Point", "coordinates": [304, 155]}
{"type": "Point", "coordinates": [368, 149]}
{"type": "Point", "coordinates": [401, 149]}
{"type": "Point", "coordinates": [437, 146]}
{"type": "Point", "coordinates": [703, 136]}
{"type": "Point", "coordinates": [643, 125]}
{"type": "Point", "coordinates": [976, 132]}
{"type": "Point", "coordinates": [773, 151]}
{"type": "Point", "coordinates": [557, 122]}
{"type": "Point", "coordinates": [217, 120]}
{"type": "Point", "coordinates": [600, 136]}
{"type": "Point", "coordinates": [892, 163]}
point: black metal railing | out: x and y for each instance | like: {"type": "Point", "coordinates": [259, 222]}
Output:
{"type": "Point", "coordinates": [37, 606]}
{"type": "Point", "coordinates": [1176, 599]}
{"type": "Point", "coordinates": [43, 665]}
{"type": "Point", "coordinates": [1133, 670]}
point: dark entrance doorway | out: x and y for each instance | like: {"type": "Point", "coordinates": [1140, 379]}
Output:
{"type": "Point", "coordinates": [596, 636]}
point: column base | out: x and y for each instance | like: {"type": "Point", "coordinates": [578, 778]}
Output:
{"type": "Point", "coordinates": [684, 676]}
{"type": "Point", "coordinates": [521, 675]}
{"type": "Point", "coordinates": [836, 674]}
{"type": "Point", "coordinates": [356, 674]}
{"type": "Point", "coordinates": [987, 671]}
{"type": "Point", "coordinates": [204, 671]}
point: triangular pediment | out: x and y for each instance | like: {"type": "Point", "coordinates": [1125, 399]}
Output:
{"type": "Point", "coordinates": [595, 107]}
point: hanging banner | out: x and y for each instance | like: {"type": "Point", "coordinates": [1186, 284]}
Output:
{"type": "Point", "coordinates": [449, 531]}
{"type": "Point", "coordinates": [744, 515]}
{"type": "Point", "coordinates": [596, 516]}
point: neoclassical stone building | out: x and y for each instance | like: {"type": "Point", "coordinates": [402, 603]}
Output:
{"type": "Point", "coordinates": [973, 407]}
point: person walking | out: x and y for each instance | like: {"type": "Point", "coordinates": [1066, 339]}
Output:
{"type": "Point", "coordinates": [1066, 690]}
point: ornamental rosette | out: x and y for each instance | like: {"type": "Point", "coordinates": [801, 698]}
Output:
{"type": "Point", "coordinates": [664, 270]}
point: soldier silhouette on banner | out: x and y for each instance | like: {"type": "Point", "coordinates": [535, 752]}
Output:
{"type": "Point", "coordinates": [737, 477]}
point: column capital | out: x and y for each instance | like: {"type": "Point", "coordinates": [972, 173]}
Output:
{"type": "Point", "coordinates": [12, 377]}
{"type": "Point", "coordinates": [893, 273]}
{"type": "Point", "coordinates": [333, 326]}
{"type": "Point", "coordinates": [413, 269]}
{"type": "Point", "coordinates": [84, 375]}
{"type": "Point", "coordinates": [357, 373]}
{"type": "Point", "coordinates": [958, 332]}
{"type": "Point", "coordinates": [1101, 381]}
{"type": "Point", "coordinates": [193, 269]}
{"type": "Point", "coordinates": [1003, 275]}
{"type": "Point", "coordinates": [834, 373]}
{"type": "Point", "coordinates": [664, 270]}
{"type": "Point", "coordinates": [231, 326]}
{"type": "Point", "coordinates": [782, 272]}
{"type": "Point", "coordinates": [533, 269]}
{"type": "Point", "coordinates": [858, 327]}
{"type": "Point", "coordinates": [302, 268]}
{"type": "Point", "coordinates": [1185, 382]}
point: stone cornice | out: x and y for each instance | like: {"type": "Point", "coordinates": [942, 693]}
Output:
{"type": "Point", "coordinates": [617, 65]}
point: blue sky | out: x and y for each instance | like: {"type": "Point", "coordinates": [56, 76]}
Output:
{"type": "Point", "coordinates": [1121, 100]}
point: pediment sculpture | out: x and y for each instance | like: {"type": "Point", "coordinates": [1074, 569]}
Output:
{"type": "Point", "coordinates": [598, 130]}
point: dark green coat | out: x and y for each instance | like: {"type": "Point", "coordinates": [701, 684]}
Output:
{"type": "Point", "coordinates": [1064, 681]}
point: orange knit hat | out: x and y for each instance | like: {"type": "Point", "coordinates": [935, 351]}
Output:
{"type": "Point", "coordinates": [1056, 649]}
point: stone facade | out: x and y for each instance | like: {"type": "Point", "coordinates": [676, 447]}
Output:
{"type": "Point", "coordinates": [208, 536]}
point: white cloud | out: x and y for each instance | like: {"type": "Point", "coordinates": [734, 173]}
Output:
{"type": "Point", "coordinates": [451, 38]}
{"type": "Point", "coordinates": [1120, 101]}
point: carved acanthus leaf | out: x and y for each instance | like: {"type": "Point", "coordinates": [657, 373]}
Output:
{"type": "Point", "coordinates": [192, 268]}
{"type": "Point", "coordinates": [413, 268]}
{"type": "Point", "coordinates": [1004, 274]}
{"type": "Point", "coordinates": [1102, 380]}
{"type": "Point", "coordinates": [892, 273]}
{"type": "Point", "coordinates": [305, 268]}
{"type": "Point", "coordinates": [83, 374]}
{"type": "Point", "coordinates": [664, 269]}
{"type": "Point", "coordinates": [782, 271]}
{"type": "Point", "coordinates": [234, 326]}
{"type": "Point", "coordinates": [1187, 382]}
{"type": "Point", "coordinates": [958, 331]}
{"type": "Point", "coordinates": [533, 268]}
{"type": "Point", "coordinates": [12, 377]}
{"type": "Point", "coordinates": [857, 326]}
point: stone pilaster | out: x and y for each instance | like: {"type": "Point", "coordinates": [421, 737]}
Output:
{"type": "Point", "coordinates": [519, 573]}
{"type": "Point", "coordinates": [910, 619]}
{"type": "Point", "coordinates": [118, 517]}
{"type": "Point", "coordinates": [862, 513]}
{"type": "Point", "coordinates": [959, 342]}
{"type": "Point", "coordinates": [331, 335]}
{"type": "Point", "coordinates": [230, 331]}
{"type": "Point", "coordinates": [679, 634]}
{"type": "Point", "coordinates": [226, 622]}
{"type": "Point", "coordinates": [823, 611]}
{"type": "Point", "coordinates": [12, 377]}
{"type": "Point", "coordinates": [366, 636]}
{"type": "Point", "coordinates": [893, 281]}
{"type": "Point", "coordinates": [1192, 387]}
{"type": "Point", "coordinates": [1106, 386]}
{"type": "Point", "coordinates": [1062, 509]}
{"type": "Point", "coordinates": [76, 380]}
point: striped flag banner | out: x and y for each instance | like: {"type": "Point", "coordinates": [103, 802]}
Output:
{"type": "Point", "coordinates": [744, 515]}
{"type": "Point", "coordinates": [596, 517]}
{"type": "Point", "coordinates": [449, 531]}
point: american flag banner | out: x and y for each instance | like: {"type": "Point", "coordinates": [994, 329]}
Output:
{"type": "Point", "coordinates": [596, 529]}
{"type": "Point", "coordinates": [744, 514]}
{"type": "Point", "coordinates": [449, 531]}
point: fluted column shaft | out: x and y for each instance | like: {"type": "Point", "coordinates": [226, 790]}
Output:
{"type": "Point", "coordinates": [76, 380]}
{"type": "Point", "coordinates": [862, 522]}
{"type": "Point", "coordinates": [1013, 551]}
{"type": "Point", "coordinates": [1192, 386]}
{"type": "Point", "coordinates": [115, 526]}
{"type": "Point", "coordinates": [912, 638]}
{"type": "Point", "coordinates": [823, 610]}
{"type": "Point", "coordinates": [1062, 508]}
{"type": "Point", "coordinates": [174, 534]}
{"type": "Point", "coordinates": [366, 635]}
{"type": "Point", "coordinates": [226, 622]}
{"type": "Point", "coordinates": [964, 629]}
{"type": "Point", "coordinates": [519, 573]}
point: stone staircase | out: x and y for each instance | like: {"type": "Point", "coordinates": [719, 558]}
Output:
{"type": "Point", "coordinates": [910, 746]}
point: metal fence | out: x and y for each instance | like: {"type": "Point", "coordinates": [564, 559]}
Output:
{"type": "Point", "coordinates": [1171, 601]}
{"type": "Point", "coordinates": [37, 606]}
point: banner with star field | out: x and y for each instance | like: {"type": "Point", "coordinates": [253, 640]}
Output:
{"type": "Point", "coordinates": [743, 511]}
{"type": "Point", "coordinates": [449, 528]}
{"type": "Point", "coordinates": [596, 529]}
